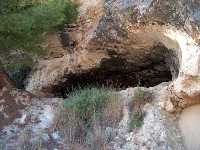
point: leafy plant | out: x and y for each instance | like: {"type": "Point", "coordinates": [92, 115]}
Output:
{"type": "Point", "coordinates": [24, 23]}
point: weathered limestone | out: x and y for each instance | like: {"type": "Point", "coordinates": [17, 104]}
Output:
{"type": "Point", "coordinates": [189, 125]}
{"type": "Point", "coordinates": [131, 30]}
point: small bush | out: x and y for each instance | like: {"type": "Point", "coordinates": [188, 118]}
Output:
{"type": "Point", "coordinates": [18, 72]}
{"type": "Point", "coordinates": [140, 98]}
{"type": "Point", "coordinates": [136, 120]}
{"type": "Point", "coordinates": [88, 102]}
{"type": "Point", "coordinates": [25, 23]}
{"type": "Point", "coordinates": [18, 66]}
{"type": "Point", "coordinates": [87, 110]}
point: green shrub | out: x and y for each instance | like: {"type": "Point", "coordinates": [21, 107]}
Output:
{"type": "Point", "coordinates": [18, 74]}
{"type": "Point", "coordinates": [87, 110]}
{"type": "Point", "coordinates": [18, 66]}
{"type": "Point", "coordinates": [136, 120]}
{"type": "Point", "coordinates": [88, 102]}
{"type": "Point", "coordinates": [140, 98]}
{"type": "Point", "coordinates": [25, 23]}
{"type": "Point", "coordinates": [136, 115]}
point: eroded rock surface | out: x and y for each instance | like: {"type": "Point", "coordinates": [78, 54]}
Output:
{"type": "Point", "coordinates": [31, 126]}
{"type": "Point", "coordinates": [158, 131]}
{"type": "Point", "coordinates": [12, 100]}
{"type": "Point", "coordinates": [131, 31]}
{"type": "Point", "coordinates": [148, 42]}
{"type": "Point", "coordinates": [189, 121]}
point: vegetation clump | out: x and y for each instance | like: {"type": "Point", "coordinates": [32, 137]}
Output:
{"type": "Point", "coordinates": [85, 115]}
{"type": "Point", "coordinates": [141, 97]}
{"type": "Point", "coordinates": [136, 120]}
{"type": "Point", "coordinates": [24, 23]}
{"type": "Point", "coordinates": [23, 28]}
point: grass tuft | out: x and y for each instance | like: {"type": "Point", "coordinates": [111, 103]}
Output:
{"type": "Point", "coordinates": [84, 116]}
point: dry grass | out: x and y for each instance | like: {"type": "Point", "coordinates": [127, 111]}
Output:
{"type": "Point", "coordinates": [27, 144]}
{"type": "Point", "coordinates": [112, 113]}
{"type": "Point", "coordinates": [141, 97]}
{"type": "Point", "coordinates": [23, 142]}
{"type": "Point", "coordinates": [96, 136]}
{"type": "Point", "coordinates": [70, 125]}
{"type": "Point", "coordinates": [83, 120]}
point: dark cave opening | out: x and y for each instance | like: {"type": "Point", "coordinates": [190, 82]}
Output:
{"type": "Point", "coordinates": [116, 72]}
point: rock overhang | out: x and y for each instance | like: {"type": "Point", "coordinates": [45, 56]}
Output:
{"type": "Point", "coordinates": [115, 29]}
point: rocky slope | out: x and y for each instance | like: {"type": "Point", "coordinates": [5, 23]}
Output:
{"type": "Point", "coordinates": [34, 125]}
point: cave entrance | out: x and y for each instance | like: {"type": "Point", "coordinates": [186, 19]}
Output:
{"type": "Point", "coordinates": [118, 73]}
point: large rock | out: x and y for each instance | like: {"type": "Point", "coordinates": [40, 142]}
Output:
{"type": "Point", "coordinates": [23, 114]}
{"type": "Point", "coordinates": [138, 34]}
{"type": "Point", "coordinates": [12, 100]}
{"type": "Point", "coordinates": [33, 124]}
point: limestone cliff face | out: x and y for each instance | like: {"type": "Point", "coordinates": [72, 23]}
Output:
{"type": "Point", "coordinates": [137, 33]}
